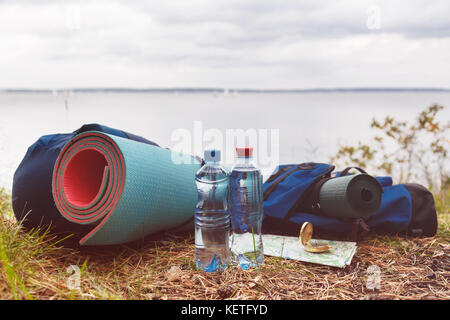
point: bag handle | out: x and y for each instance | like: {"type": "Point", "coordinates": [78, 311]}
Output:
{"type": "Point", "coordinates": [346, 170]}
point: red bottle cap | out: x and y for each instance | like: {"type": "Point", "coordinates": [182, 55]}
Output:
{"type": "Point", "coordinates": [245, 152]}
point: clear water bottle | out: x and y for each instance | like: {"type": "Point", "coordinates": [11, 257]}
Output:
{"type": "Point", "coordinates": [246, 210]}
{"type": "Point", "coordinates": [212, 217]}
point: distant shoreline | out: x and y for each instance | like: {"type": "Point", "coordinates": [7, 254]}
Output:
{"type": "Point", "coordinates": [215, 90]}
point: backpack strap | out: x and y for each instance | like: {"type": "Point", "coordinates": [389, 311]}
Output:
{"type": "Point", "coordinates": [356, 234]}
{"type": "Point", "coordinates": [315, 195]}
{"type": "Point", "coordinates": [275, 176]}
{"type": "Point", "coordinates": [309, 193]}
{"type": "Point", "coordinates": [346, 171]}
{"type": "Point", "coordinates": [277, 179]}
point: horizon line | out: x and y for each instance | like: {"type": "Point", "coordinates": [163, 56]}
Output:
{"type": "Point", "coordinates": [222, 89]}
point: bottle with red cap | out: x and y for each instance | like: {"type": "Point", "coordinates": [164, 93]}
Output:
{"type": "Point", "coordinates": [246, 210]}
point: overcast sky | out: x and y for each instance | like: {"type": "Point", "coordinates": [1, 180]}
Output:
{"type": "Point", "coordinates": [224, 43]}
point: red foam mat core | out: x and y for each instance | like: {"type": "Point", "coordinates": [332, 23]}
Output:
{"type": "Point", "coordinates": [83, 177]}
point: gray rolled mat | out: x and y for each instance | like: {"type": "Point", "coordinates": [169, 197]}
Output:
{"type": "Point", "coordinates": [354, 196]}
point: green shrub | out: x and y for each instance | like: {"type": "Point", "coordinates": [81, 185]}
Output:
{"type": "Point", "coordinates": [409, 152]}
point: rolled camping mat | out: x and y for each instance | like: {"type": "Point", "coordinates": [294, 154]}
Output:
{"type": "Point", "coordinates": [123, 188]}
{"type": "Point", "coordinates": [353, 196]}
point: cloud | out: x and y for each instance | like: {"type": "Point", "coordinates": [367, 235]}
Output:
{"type": "Point", "coordinates": [223, 43]}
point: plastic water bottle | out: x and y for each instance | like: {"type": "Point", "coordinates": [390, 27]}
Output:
{"type": "Point", "coordinates": [212, 217]}
{"type": "Point", "coordinates": [246, 211]}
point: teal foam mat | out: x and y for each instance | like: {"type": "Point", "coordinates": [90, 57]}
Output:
{"type": "Point", "coordinates": [125, 189]}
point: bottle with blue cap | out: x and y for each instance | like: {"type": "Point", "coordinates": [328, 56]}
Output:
{"type": "Point", "coordinates": [212, 218]}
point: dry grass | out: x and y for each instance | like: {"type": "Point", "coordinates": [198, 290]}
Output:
{"type": "Point", "coordinates": [32, 266]}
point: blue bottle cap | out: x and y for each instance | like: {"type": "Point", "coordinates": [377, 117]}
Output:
{"type": "Point", "coordinates": [211, 155]}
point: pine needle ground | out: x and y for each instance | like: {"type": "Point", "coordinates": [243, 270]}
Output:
{"type": "Point", "coordinates": [35, 265]}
